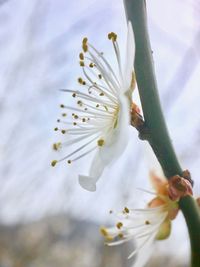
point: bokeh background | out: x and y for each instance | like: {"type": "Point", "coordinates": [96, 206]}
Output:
{"type": "Point", "coordinates": [46, 219]}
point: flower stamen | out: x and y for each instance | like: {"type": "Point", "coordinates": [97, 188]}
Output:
{"type": "Point", "coordinates": [100, 142]}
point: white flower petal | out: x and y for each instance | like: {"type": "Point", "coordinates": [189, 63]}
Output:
{"type": "Point", "coordinates": [97, 166]}
{"type": "Point", "coordinates": [144, 241]}
{"type": "Point", "coordinates": [130, 56]}
{"type": "Point", "coordinates": [87, 182]}
{"type": "Point", "coordinates": [144, 253]}
{"type": "Point", "coordinates": [110, 151]}
{"type": "Point", "coordinates": [96, 169]}
{"type": "Point", "coordinates": [118, 141]}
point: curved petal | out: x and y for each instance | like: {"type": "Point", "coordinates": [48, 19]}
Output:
{"type": "Point", "coordinates": [87, 182]}
{"type": "Point", "coordinates": [164, 230]}
{"type": "Point", "coordinates": [96, 169]}
{"type": "Point", "coordinates": [159, 184]}
{"type": "Point", "coordinates": [145, 253]}
{"type": "Point", "coordinates": [129, 59]}
{"type": "Point", "coordinates": [144, 245]}
{"type": "Point", "coordinates": [116, 143]}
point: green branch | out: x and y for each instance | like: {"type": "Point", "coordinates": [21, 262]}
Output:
{"type": "Point", "coordinates": [192, 216]}
{"type": "Point", "coordinates": [158, 136]}
{"type": "Point", "coordinates": [154, 120]}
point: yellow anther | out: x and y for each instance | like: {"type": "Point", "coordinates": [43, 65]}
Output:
{"type": "Point", "coordinates": [112, 36]}
{"type": "Point", "coordinates": [85, 47]}
{"type": "Point", "coordinates": [56, 129]}
{"type": "Point", "coordinates": [109, 238]}
{"type": "Point", "coordinates": [82, 63]}
{"type": "Point", "coordinates": [69, 161]}
{"type": "Point", "coordinates": [83, 120]}
{"type": "Point", "coordinates": [76, 117]}
{"type": "Point", "coordinates": [80, 80]}
{"type": "Point", "coordinates": [119, 225]}
{"type": "Point", "coordinates": [120, 235]}
{"type": "Point", "coordinates": [62, 106]}
{"type": "Point", "coordinates": [126, 210]}
{"type": "Point", "coordinates": [80, 102]}
{"type": "Point", "coordinates": [97, 105]}
{"type": "Point", "coordinates": [85, 39]}
{"type": "Point", "coordinates": [84, 44]}
{"type": "Point", "coordinates": [100, 142]}
{"type": "Point", "coordinates": [74, 123]}
{"type": "Point", "coordinates": [63, 131]}
{"type": "Point", "coordinates": [57, 146]}
{"type": "Point", "coordinates": [64, 114]}
{"type": "Point", "coordinates": [147, 222]}
{"type": "Point", "coordinates": [81, 56]}
{"type": "Point", "coordinates": [91, 65]}
{"type": "Point", "coordinates": [53, 163]}
{"type": "Point", "coordinates": [74, 94]}
{"type": "Point", "coordinates": [103, 231]}
{"type": "Point", "coordinates": [101, 94]}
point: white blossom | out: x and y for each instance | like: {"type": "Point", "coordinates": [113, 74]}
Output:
{"type": "Point", "coordinates": [144, 226]}
{"type": "Point", "coordinates": [100, 120]}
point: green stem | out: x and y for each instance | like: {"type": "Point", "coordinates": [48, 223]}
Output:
{"type": "Point", "coordinates": [154, 120]}
{"type": "Point", "coordinates": [192, 217]}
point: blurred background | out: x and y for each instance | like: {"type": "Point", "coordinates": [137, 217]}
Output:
{"type": "Point", "coordinates": [46, 219]}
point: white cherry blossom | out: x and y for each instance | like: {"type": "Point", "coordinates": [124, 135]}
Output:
{"type": "Point", "coordinates": [100, 120]}
{"type": "Point", "coordinates": [144, 226]}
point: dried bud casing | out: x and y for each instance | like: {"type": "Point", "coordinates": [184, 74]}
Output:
{"type": "Point", "coordinates": [179, 187]}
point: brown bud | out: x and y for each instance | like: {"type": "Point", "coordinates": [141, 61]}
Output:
{"type": "Point", "coordinates": [186, 174]}
{"type": "Point", "coordinates": [136, 118]}
{"type": "Point", "coordinates": [179, 187]}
